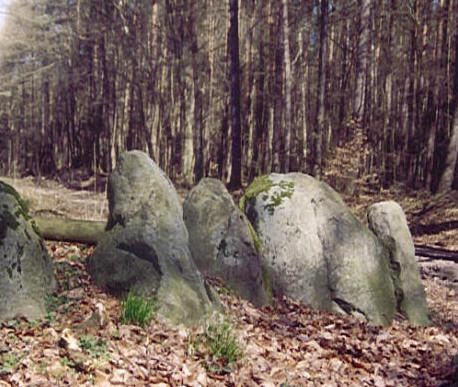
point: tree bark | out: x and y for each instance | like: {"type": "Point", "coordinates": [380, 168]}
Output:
{"type": "Point", "coordinates": [289, 156]}
{"type": "Point", "coordinates": [234, 60]}
{"type": "Point", "coordinates": [320, 113]}
{"type": "Point", "coordinates": [446, 181]}
{"type": "Point", "coordinates": [362, 57]}
{"type": "Point", "coordinates": [198, 134]}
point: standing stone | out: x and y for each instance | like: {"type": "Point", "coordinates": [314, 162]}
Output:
{"type": "Point", "coordinates": [26, 271]}
{"type": "Point", "coordinates": [315, 249]}
{"type": "Point", "coordinates": [145, 248]}
{"type": "Point", "coordinates": [388, 221]}
{"type": "Point", "coordinates": [222, 241]}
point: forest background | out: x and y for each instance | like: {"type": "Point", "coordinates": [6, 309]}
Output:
{"type": "Point", "coordinates": [346, 90]}
{"type": "Point", "coordinates": [232, 89]}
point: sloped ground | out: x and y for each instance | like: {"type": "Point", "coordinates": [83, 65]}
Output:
{"type": "Point", "coordinates": [421, 208]}
{"type": "Point", "coordinates": [50, 198]}
{"type": "Point", "coordinates": [360, 191]}
{"type": "Point", "coordinates": [288, 345]}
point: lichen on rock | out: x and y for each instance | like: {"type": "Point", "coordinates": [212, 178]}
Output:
{"type": "Point", "coordinates": [272, 198]}
{"type": "Point", "coordinates": [259, 185]}
{"type": "Point", "coordinates": [315, 250]}
{"type": "Point", "coordinates": [23, 208]}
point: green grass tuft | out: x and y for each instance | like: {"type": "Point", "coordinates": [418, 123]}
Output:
{"type": "Point", "coordinates": [222, 343]}
{"type": "Point", "coordinates": [137, 310]}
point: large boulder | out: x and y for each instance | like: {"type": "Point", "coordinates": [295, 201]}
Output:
{"type": "Point", "coordinates": [222, 241]}
{"type": "Point", "coordinates": [145, 248]}
{"type": "Point", "coordinates": [388, 221]}
{"type": "Point", "coordinates": [26, 271]}
{"type": "Point", "coordinates": [315, 249]}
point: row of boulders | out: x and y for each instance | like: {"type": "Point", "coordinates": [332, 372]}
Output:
{"type": "Point", "coordinates": [292, 235]}
{"type": "Point", "coordinates": [318, 253]}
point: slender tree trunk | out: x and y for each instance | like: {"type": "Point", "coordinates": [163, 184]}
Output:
{"type": "Point", "coordinates": [343, 81]}
{"type": "Point", "coordinates": [277, 127]}
{"type": "Point", "coordinates": [388, 151]}
{"type": "Point", "coordinates": [320, 108]}
{"type": "Point", "coordinates": [302, 128]}
{"type": "Point", "coordinates": [362, 60]}
{"type": "Point", "coordinates": [234, 70]}
{"type": "Point", "coordinates": [289, 156]}
{"type": "Point", "coordinates": [258, 99]}
{"type": "Point", "coordinates": [446, 181]}
{"type": "Point", "coordinates": [198, 133]}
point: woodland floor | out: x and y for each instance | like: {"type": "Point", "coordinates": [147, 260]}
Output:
{"type": "Point", "coordinates": [284, 345]}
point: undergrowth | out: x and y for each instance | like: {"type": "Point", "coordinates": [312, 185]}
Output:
{"type": "Point", "coordinates": [95, 347]}
{"type": "Point", "coordinates": [137, 310]}
{"type": "Point", "coordinates": [218, 344]}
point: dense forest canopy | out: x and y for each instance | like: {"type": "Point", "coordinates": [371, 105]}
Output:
{"type": "Point", "coordinates": [231, 89]}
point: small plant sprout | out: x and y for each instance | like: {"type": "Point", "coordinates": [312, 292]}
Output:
{"type": "Point", "coordinates": [8, 363]}
{"type": "Point", "coordinates": [222, 343]}
{"type": "Point", "coordinates": [137, 310]}
{"type": "Point", "coordinates": [95, 347]}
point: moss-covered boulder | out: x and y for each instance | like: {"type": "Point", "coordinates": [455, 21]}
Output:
{"type": "Point", "coordinates": [389, 223]}
{"type": "Point", "coordinates": [26, 271]}
{"type": "Point", "coordinates": [145, 248]}
{"type": "Point", "coordinates": [222, 242]}
{"type": "Point", "coordinates": [315, 249]}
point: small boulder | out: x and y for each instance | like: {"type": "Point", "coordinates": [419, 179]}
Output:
{"type": "Point", "coordinates": [26, 271]}
{"type": "Point", "coordinates": [145, 248]}
{"type": "Point", "coordinates": [388, 221]}
{"type": "Point", "coordinates": [315, 249]}
{"type": "Point", "coordinates": [222, 240]}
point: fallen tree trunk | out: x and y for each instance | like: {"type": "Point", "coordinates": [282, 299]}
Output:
{"type": "Point", "coordinates": [88, 231]}
{"type": "Point", "coordinates": [70, 230]}
{"type": "Point", "coordinates": [435, 228]}
{"type": "Point", "coordinates": [436, 253]}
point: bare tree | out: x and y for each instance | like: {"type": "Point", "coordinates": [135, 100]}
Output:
{"type": "Point", "coordinates": [234, 71]}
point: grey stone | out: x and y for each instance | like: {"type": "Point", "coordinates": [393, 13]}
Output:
{"type": "Point", "coordinates": [316, 251]}
{"type": "Point", "coordinates": [388, 221]}
{"type": "Point", "coordinates": [145, 248]}
{"type": "Point", "coordinates": [26, 271]}
{"type": "Point", "coordinates": [221, 241]}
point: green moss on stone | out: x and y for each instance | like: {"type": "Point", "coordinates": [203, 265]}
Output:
{"type": "Point", "coordinates": [255, 237]}
{"type": "Point", "coordinates": [23, 209]}
{"type": "Point", "coordinates": [259, 185]}
{"type": "Point", "coordinates": [180, 303]}
{"type": "Point", "coordinates": [286, 191]}
{"type": "Point", "coordinates": [383, 298]}
{"type": "Point", "coordinates": [35, 227]}
{"type": "Point", "coordinates": [264, 184]}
